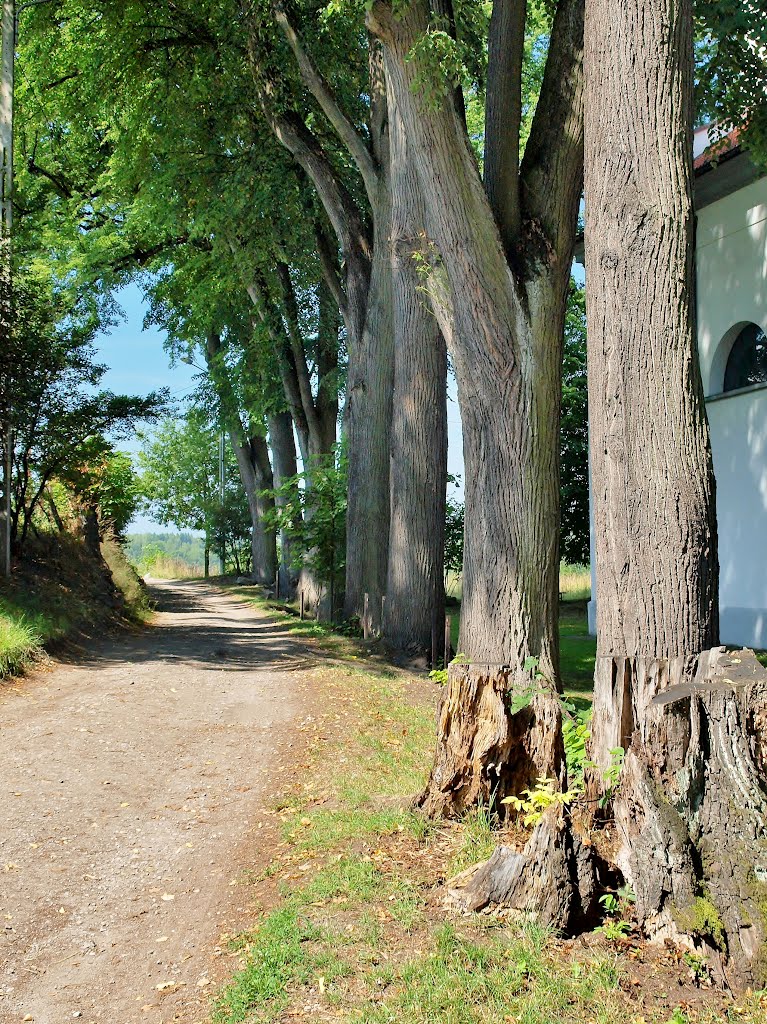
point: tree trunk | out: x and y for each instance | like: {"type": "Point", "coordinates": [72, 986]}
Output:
{"type": "Point", "coordinates": [256, 476]}
{"type": "Point", "coordinates": [690, 810]}
{"type": "Point", "coordinates": [367, 422]}
{"type": "Point", "coordinates": [283, 447]}
{"type": "Point", "coordinates": [206, 556]}
{"type": "Point", "coordinates": [327, 371]}
{"type": "Point", "coordinates": [415, 589]}
{"type": "Point", "coordinates": [367, 302]}
{"type": "Point", "coordinates": [504, 330]}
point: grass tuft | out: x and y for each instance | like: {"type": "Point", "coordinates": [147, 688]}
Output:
{"type": "Point", "coordinates": [20, 644]}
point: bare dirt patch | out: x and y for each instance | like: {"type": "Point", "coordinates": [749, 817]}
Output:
{"type": "Point", "coordinates": [131, 784]}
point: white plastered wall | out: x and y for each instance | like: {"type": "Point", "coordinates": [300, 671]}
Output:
{"type": "Point", "coordinates": [732, 291]}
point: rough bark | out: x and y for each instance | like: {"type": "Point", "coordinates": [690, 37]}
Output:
{"type": "Point", "coordinates": [554, 879]}
{"type": "Point", "coordinates": [327, 370]}
{"type": "Point", "coordinates": [484, 752]}
{"type": "Point", "coordinates": [283, 447]}
{"type": "Point", "coordinates": [503, 114]}
{"type": "Point", "coordinates": [367, 423]}
{"type": "Point", "coordinates": [415, 597]}
{"type": "Point", "coordinates": [367, 307]}
{"type": "Point", "coordinates": [256, 476]}
{"type": "Point", "coordinates": [652, 473]}
{"type": "Point", "coordinates": [503, 326]}
{"type": "Point", "coordinates": [691, 808]}
{"type": "Point", "coordinates": [253, 465]}
{"type": "Point", "coordinates": [692, 814]}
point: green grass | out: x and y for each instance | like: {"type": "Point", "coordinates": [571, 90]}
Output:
{"type": "Point", "coordinates": [20, 644]}
{"type": "Point", "coordinates": [58, 590]}
{"type": "Point", "coordinates": [464, 981]}
{"type": "Point", "coordinates": [354, 929]}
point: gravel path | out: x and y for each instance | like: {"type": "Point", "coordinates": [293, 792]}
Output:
{"type": "Point", "coordinates": [130, 787]}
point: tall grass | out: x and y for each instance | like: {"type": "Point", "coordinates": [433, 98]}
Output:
{"type": "Point", "coordinates": [574, 582]}
{"type": "Point", "coordinates": [138, 604]}
{"type": "Point", "coordinates": [166, 567]}
{"type": "Point", "coordinates": [20, 644]}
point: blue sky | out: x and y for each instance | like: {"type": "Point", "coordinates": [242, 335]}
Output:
{"type": "Point", "coordinates": [138, 364]}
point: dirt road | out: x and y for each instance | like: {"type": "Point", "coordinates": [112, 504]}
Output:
{"type": "Point", "coordinates": [130, 785]}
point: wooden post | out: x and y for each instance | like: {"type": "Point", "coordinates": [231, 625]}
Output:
{"type": "Point", "coordinates": [302, 604]}
{"type": "Point", "coordinates": [448, 640]}
{"type": "Point", "coordinates": [366, 617]}
{"type": "Point", "coordinates": [277, 586]}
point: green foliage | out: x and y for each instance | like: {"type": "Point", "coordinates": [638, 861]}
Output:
{"type": "Point", "coordinates": [575, 734]}
{"type": "Point", "coordinates": [311, 510]}
{"type": "Point", "coordinates": [104, 479]}
{"type": "Point", "coordinates": [181, 487]}
{"type": "Point", "coordinates": [146, 549]}
{"type": "Point", "coordinates": [731, 59]}
{"type": "Point", "coordinates": [454, 516]}
{"type": "Point", "coordinates": [573, 446]}
{"type": "Point", "coordinates": [440, 675]}
{"type": "Point", "coordinates": [533, 803]}
{"type": "Point", "coordinates": [20, 644]}
{"type": "Point", "coordinates": [49, 377]}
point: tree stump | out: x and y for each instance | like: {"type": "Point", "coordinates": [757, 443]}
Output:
{"type": "Point", "coordinates": [692, 814]}
{"type": "Point", "coordinates": [484, 752]}
{"type": "Point", "coordinates": [553, 879]}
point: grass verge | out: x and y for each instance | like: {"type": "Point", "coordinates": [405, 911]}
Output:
{"type": "Point", "coordinates": [59, 592]}
{"type": "Point", "coordinates": [20, 644]}
{"type": "Point", "coordinates": [352, 924]}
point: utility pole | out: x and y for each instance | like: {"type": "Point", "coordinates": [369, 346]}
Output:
{"type": "Point", "coordinates": [6, 310]}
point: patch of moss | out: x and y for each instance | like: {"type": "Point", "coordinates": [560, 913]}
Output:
{"type": "Point", "coordinates": [701, 918]}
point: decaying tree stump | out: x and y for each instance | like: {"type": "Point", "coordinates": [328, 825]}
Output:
{"type": "Point", "coordinates": [692, 813]}
{"type": "Point", "coordinates": [553, 879]}
{"type": "Point", "coordinates": [484, 752]}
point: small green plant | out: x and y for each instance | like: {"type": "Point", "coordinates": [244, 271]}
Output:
{"type": "Point", "coordinates": [439, 675]}
{"type": "Point", "coordinates": [697, 965]}
{"type": "Point", "coordinates": [615, 905]}
{"type": "Point", "coordinates": [677, 1017]}
{"type": "Point", "coordinates": [534, 802]}
{"type": "Point", "coordinates": [610, 904]}
{"type": "Point", "coordinates": [615, 929]}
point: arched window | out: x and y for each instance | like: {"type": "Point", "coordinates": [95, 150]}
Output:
{"type": "Point", "coordinates": [747, 361]}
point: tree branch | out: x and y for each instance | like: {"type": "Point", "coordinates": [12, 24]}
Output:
{"type": "Point", "coordinates": [328, 254]}
{"type": "Point", "coordinates": [297, 347]}
{"type": "Point", "coordinates": [503, 115]}
{"type": "Point", "coordinates": [323, 94]}
{"type": "Point", "coordinates": [551, 176]}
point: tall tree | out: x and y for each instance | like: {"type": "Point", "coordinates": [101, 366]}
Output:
{"type": "Point", "coordinates": [691, 807]}
{"type": "Point", "coordinates": [393, 346]}
{"type": "Point", "coordinates": [496, 261]}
